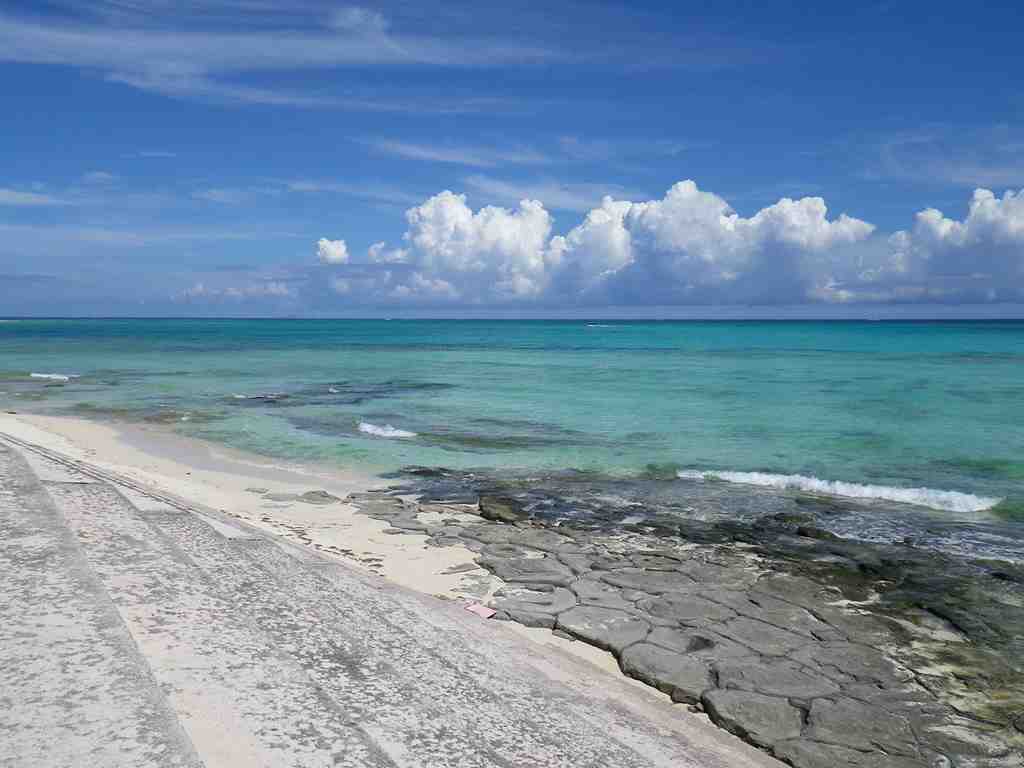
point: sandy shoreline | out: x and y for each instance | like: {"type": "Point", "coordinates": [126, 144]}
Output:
{"type": "Point", "coordinates": [223, 479]}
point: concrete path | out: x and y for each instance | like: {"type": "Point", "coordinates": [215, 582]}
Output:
{"type": "Point", "coordinates": [164, 636]}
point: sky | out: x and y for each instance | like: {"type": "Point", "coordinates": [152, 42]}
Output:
{"type": "Point", "coordinates": [250, 157]}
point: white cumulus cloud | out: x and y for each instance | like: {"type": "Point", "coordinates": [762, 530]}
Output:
{"type": "Point", "coordinates": [491, 254]}
{"type": "Point", "coordinates": [332, 251]}
{"type": "Point", "coordinates": [690, 247]}
{"type": "Point", "coordinates": [990, 239]}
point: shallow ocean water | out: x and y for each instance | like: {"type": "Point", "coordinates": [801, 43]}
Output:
{"type": "Point", "coordinates": [919, 421]}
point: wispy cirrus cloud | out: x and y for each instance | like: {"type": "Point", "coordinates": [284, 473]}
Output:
{"type": "Point", "coordinates": [99, 177]}
{"type": "Point", "coordinates": [22, 198]}
{"type": "Point", "coordinates": [474, 156]}
{"type": "Point", "coordinates": [234, 195]}
{"type": "Point", "coordinates": [128, 237]}
{"type": "Point", "coordinates": [372, 191]}
{"type": "Point", "coordinates": [598, 150]}
{"type": "Point", "coordinates": [219, 64]}
{"type": "Point", "coordinates": [149, 154]}
{"type": "Point", "coordinates": [990, 156]}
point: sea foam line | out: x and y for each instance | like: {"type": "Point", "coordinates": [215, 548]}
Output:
{"type": "Point", "coordinates": [386, 431]}
{"type": "Point", "coordinates": [947, 501]}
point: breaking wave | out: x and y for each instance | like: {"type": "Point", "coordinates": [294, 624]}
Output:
{"type": "Point", "coordinates": [54, 376]}
{"type": "Point", "coordinates": [386, 431]}
{"type": "Point", "coordinates": [947, 501]}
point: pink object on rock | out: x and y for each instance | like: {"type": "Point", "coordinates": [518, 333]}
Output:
{"type": "Point", "coordinates": [481, 610]}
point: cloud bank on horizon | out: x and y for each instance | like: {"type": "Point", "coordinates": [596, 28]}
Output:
{"type": "Point", "coordinates": [688, 247]}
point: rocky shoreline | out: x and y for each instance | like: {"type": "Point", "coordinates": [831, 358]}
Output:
{"type": "Point", "coordinates": [822, 651]}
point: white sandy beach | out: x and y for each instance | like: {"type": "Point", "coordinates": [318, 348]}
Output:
{"type": "Point", "coordinates": [222, 479]}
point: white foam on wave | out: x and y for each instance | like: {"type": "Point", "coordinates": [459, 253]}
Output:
{"type": "Point", "coordinates": [947, 501]}
{"type": "Point", "coordinates": [54, 376]}
{"type": "Point", "coordinates": [386, 431]}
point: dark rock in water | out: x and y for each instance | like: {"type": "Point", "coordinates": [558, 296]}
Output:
{"type": "Point", "coordinates": [502, 509]}
{"type": "Point", "coordinates": [792, 518]}
{"type": "Point", "coordinates": [764, 720]}
{"type": "Point", "coordinates": [318, 497]}
{"type": "Point", "coordinates": [682, 677]}
{"type": "Point", "coordinates": [814, 532]}
{"type": "Point", "coordinates": [425, 471]}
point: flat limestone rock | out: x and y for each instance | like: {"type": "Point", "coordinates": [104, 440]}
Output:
{"type": "Point", "coordinates": [761, 719]}
{"type": "Point", "coordinates": [763, 638]}
{"type": "Point", "coordinates": [682, 677]}
{"type": "Point", "coordinates": [697, 642]}
{"type": "Point", "coordinates": [774, 678]}
{"type": "Point", "coordinates": [593, 592]}
{"type": "Point", "coordinates": [719, 575]}
{"type": "Point", "coordinates": [795, 589]}
{"type": "Point", "coordinates": [651, 562]}
{"type": "Point", "coordinates": [604, 627]}
{"type": "Point", "coordinates": [842, 660]}
{"type": "Point", "coordinates": [860, 726]}
{"type": "Point", "coordinates": [487, 533]}
{"type": "Point", "coordinates": [530, 601]}
{"type": "Point", "coordinates": [531, 618]}
{"type": "Point", "coordinates": [408, 524]}
{"type": "Point", "coordinates": [769, 609]}
{"type": "Point", "coordinates": [652, 582]}
{"type": "Point", "coordinates": [812, 754]}
{"type": "Point", "coordinates": [688, 609]}
{"type": "Point", "coordinates": [578, 563]}
{"type": "Point", "coordinates": [531, 570]}
{"type": "Point", "coordinates": [540, 538]}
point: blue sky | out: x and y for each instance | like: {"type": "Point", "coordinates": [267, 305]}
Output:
{"type": "Point", "coordinates": [252, 157]}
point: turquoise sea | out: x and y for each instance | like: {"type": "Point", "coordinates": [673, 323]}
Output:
{"type": "Point", "coordinates": [920, 423]}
